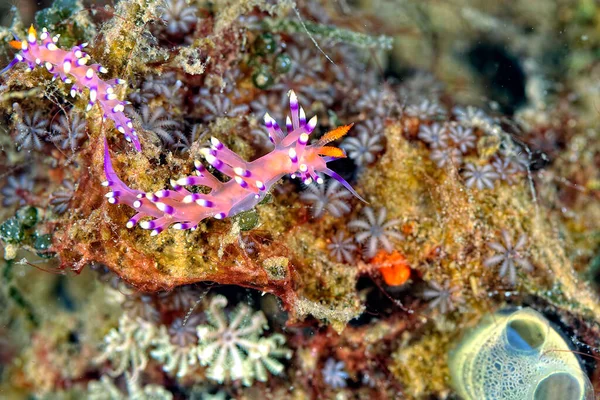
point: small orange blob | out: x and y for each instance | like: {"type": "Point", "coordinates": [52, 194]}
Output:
{"type": "Point", "coordinates": [393, 267]}
{"type": "Point", "coordinates": [408, 228]}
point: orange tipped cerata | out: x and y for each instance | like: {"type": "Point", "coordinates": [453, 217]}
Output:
{"type": "Point", "coordinates": [331, 152]}
{"type": "Point", "coordinates": [335, 134]}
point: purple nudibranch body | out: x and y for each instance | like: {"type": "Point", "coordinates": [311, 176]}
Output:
{"type": "Point", "coordinates": [249, 183]}
{"type": "Point", "coordinates": [71, 66]}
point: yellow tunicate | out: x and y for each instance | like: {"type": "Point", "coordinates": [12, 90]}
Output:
{"type": "Point", "coordinates": [517, 355]}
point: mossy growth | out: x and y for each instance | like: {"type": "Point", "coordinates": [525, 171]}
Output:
{"type": "Point", "coordinates": [448, 227]}
{"type": "Point", "coordinates": [127, 38]}
{"type": "Point", "coordinates": [425, 356]}
{"type": "Point", "coordinates": [276, 267]}
{"type": "Point", "coordinates": [332, 34]}
{"type": "Point", "coordinates": [68, 19]}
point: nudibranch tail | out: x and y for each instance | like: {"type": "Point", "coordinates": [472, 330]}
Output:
{"type": "Point", "coordinates": [341, 180]}
{"type": "Point", "coordinates": [72, 67]}
{"type": "Point", "coordinates": [181, 208]}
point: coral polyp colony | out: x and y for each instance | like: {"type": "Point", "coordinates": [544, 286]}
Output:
{"type": "Point", "coordinates": [248, 184]}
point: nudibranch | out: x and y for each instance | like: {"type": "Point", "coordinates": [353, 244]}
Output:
{"type": "Point", "coordinates": [71, 66]}
{"type": "Point", "coordinates": [249, 183]}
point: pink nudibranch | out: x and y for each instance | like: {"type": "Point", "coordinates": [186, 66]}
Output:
{"type": "Point", "coordinates": [71, 66]}
{"type": "Point", "coordinates": [249, 183]}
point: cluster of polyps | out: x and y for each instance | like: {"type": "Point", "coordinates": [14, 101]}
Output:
{"type": "Point", "coordinates": [249, 183]}
{"type": "Point", "coordinates": [71, 66]}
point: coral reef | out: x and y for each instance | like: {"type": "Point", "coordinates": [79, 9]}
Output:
{"type": "Point", "coordinates": [440, 162]}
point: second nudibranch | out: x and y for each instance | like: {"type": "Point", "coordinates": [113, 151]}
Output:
{"type": "Point", "coordinates": [71, 66]}
{"type": "Point", "coordinates": [250, 181]}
